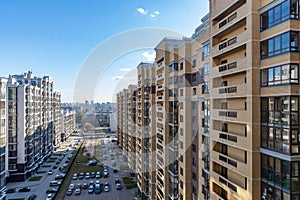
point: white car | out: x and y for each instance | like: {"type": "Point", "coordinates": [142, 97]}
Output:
{"type": "Point", "coordinates": [71, 186]}
{"type": "Point", "coordinates": [77, 191]}
{"type": "Point", "coordinates": [49, 197]}
{"type": "Point", "coordinates": [106, 187]}
{"type": "Point", "coordinates": [50, 172]}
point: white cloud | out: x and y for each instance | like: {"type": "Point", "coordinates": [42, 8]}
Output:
{"type": "Point", "coordinates": [142, 11]}
{"type": "Point", "coordinates": [149, 56]}
{"type": "Point", "coordinates": [116, 78]}
{"type": "Point", "coordinates": [152, 15]}
{"type": "Point", "coordinates": [126, 69]}
{"type": "Point", "coordinates": [156, 12]}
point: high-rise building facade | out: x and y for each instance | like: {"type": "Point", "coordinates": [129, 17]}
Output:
{"type": "Point", "coordinates": [146, 130]}
{"type": "Point", "coordinates": [57, 116]}
{"type": "Point", "coordinates": [3, 138]}
{"type": "Point", "coordinates": [29, 123]}
{"type": "Point", "coordinates": [68, 123]}
{"type": "Point", "coordinates": [227, 106]}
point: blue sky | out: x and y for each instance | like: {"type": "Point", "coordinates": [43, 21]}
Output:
{"type": "Point", "coordinates": [56, 37]}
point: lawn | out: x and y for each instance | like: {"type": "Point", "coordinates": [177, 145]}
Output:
{"type": "Point", "coordinates": [35, 178]}
{"type": "Point", "coordinates": [74, 168]}
{"type": "Point", "coordinates": [129, 182]}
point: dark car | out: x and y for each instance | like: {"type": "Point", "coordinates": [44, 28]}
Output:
{"type": "Point", "coordinates": [24, 189]}
{"type": "Point", "coordinates": [115, 171]}
{"type": "Point", "coordinates": [51, 190]}
{"type": "Point", "coordinates": [97, 190]}
{"type": "Point", "coordinates": [54, 167]}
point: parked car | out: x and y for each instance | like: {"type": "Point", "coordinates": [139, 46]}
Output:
{"type": "Point", "coordinates": [91, 190]}
{"type": "Point", "coordinates": [81, 176]}
{"type": "Point", "coordinates": [84, 186]}
{"type": "Point", "coordinates": [98, 175]}
{"type": "Point", "coordinates": [118, 184]}
{"type": "Point", "coordinates": [77, 191]}
{"type": "Point", "coordinates": [24, 189]}
{"type": "Point", "coordinates": [50, 172]}
{"type": "Point", "coordinates": [115, 171]}
{"type": "Point", "coordinates": [54, 183]}
{"type": "Point", "coordinates": [51, 190]}
{"type": "Point", "coordinates": [98, 189]}
{"type": "Point", "coordinates": [49, 197]}
{"type": "Point", "coordinates": [106, 187]}
{"type": "Point", "coordinates": [105, 173]}
{"type": "Point", "coordinates": [69, 192]}
{"type": "Point", "coordinates": [92, 162]}
{"type": "Point", "coordinates": [87, 175]}
{"type": "Point", "coordinates": [93, 175]}
{"type": "Point", "coordinates": [75, 176]}
{"type": "Point", "coordinates": [71, 186]}
{"type": "Point", "coordinates": [54, 167]}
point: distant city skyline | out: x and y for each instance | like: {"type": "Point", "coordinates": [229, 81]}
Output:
{"type": "Point", "coordinates": [53, 38]}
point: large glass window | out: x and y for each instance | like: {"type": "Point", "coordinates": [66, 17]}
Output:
{"type": "Point", "coordinates": [280, 178]}
{"type": "Point", "coordinates": [288, 9]}
{"type": "Point", "coordinates": [280, 124]}
{"type": "Point", "coordinates": [286, 42]}
{"type": "Point", "coordinates": [280, 75]}
{"type": "Point", "coordinates": [206, 50]}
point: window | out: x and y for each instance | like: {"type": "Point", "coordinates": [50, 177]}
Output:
{"type": "Point", "coordinates": [280, 119]}
{"type": "Point", "coordinates": [194, 91]}
{"type": "Point", "coordinates": [206, 50]}
{"type": "Point", "coordinates": [181, 66]}
{"type": "Point", "coordinates": [280, 75]}
{"type": "Point", "coordinates": [205, 87]}
{"type": "Point", "coordinates": [286, 42]}
{"type": "Point", "coordinates": [194, 63]}
{"type": "Point", "coordinates": [181, 171]}
{"type": "Point", "coordinates": [194, 77]}
{"type": "Point", "coordinates": [280, 13]}
{"type": "Point", "coordinates": [194, 148]}
{"type": "Point", "coordinates": [206, 69]}
{"type": "Point", "coordinates": [181, 118]}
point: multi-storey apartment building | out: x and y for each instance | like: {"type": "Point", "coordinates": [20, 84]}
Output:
{"type": "Point", "coordinates": [57, 119]}
{"type": "Point", "coordinates": [68, 124]}
{"type": "Point", "coordinates": [29, 123]}
{"type": "Point", "coordinates": [227, 120]}
{"type": "Point", "coordinates": [127, 125]}
{"type": "Point", "coordinates": [3, 138]}
{"type": "Point", "coordinates": [130, 132]}
{"type": "Point", "coordinates": [146, 131]}
{"type": "Point", "coordinates": [235, 96]}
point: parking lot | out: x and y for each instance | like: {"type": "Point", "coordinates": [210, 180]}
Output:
{"type": "Point", "coordinates": [109, 155]}
{"type": "Point", "coordinates": [39, 187]}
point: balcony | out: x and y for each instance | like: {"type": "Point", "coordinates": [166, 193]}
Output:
{"type": "Point", "coordinates": [231, 45]}
{"type": "Point", "coordinates": [231, 115]}
{"type": "Point", "coordinates": [231, 163]}
{"type": "Point", "coordinates": [229, 68]}
{"type": "Point", "coordinates": [160, 98]}
{"type": "Point", "coordinates": [230, 139]}
{"type": "Point", "coordinates": [236, 191]}
{"type": "Point", "coordinates": [232, 21]}
{"type": "Point", "coordinates": [230, 91]}
{"type": "Point", "coordinates": [221, 10]}
{"type": "Point", "coordinates": [159, 88]}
